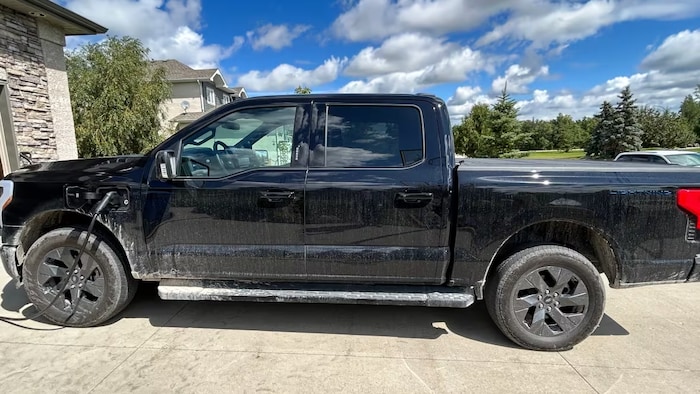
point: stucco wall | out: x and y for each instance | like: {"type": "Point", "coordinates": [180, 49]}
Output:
{"type": "Point", "coordinates": [52, 43]}
{"type": "Point", "coordinates": [182, 91]}
{"type": "Point", "coordinates": [22, 57]}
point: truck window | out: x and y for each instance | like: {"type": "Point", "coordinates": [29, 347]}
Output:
{"type": "Point", "coordinates": [635, 158]}
{"type": "Point", "coordinates": [250, 138]}
{"type": "Point", "coordinates": [370, 136]}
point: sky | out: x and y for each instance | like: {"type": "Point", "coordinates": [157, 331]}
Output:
{"type": "Point", "coordinates": [556, 56]}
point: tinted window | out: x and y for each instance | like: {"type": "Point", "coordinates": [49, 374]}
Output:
{"type": "Point", "coordinates": [251, 138]}
{"type": "Point", "coordinates": [634, 158]}
{"type": "Point", "coordinates": [686, 159]}
{"type": "Point", "coordinates": [370, 136]}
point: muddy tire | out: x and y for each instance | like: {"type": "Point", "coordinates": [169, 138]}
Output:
{"type": "Point", "coordinates": [546, 298]}
{"type": "Point", "coordinates": [99, 288]}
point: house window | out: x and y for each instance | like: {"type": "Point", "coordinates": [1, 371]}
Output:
{"type": "Point", "coordinates": [226, 99]}
{"type": "Point", "coordinates": [211, 96]}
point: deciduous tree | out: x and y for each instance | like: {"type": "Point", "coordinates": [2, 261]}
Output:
{"type": "Point", "coordinates": [116, 97]}
{"type": "Point", "coordinates": [302, 90]}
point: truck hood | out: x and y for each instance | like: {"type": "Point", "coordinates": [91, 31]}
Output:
{"type": "Point", "coordinates": [82, 170]}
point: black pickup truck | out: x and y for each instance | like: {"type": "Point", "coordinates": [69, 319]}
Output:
{"type": "Point", "coordinates": [347, 199]}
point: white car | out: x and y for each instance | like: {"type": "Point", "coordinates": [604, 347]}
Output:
{"type": "Point", "coordinates": [677, 157]}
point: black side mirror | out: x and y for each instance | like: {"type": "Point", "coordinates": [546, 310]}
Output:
{"type": "Point", "coordinates": [166, 164]}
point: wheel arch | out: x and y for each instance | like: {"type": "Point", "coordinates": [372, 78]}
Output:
{"type": "Point", "coordinates": [46, 221]}
{"type": "Point", "coordinates": [588, 240]}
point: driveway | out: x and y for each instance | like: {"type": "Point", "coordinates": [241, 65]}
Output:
{"type": "Point", "coordinates": [649, 341]}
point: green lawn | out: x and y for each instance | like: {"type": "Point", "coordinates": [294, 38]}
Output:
{"type": "Point", "coordinates": [575, 153]}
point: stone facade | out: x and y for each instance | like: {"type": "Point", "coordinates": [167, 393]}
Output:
{"type": "Point", "coordinates": [22, 57]}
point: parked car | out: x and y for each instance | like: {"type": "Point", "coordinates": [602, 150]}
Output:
{"type": "Point", "coordinates": [347, 199]}
{"type": "Point", "coordinates": [677, 157]}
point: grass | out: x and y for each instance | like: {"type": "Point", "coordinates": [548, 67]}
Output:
{"type": "Point", "coordinates": [553, 154]}
{"type": "Point", "coordinates": [575, 153]}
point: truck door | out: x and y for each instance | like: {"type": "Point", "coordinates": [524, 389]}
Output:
{"type": "Point", "coordinates": [376, 195]}
{"type": "Point", "coordinates": [235, 209]}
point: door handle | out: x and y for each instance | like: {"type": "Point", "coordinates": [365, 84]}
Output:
{"type": "Point", "coordinates": [275, 197]}
{"type": "Point", "coordinates": [413, 199]}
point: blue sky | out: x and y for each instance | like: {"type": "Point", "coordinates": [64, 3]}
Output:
{"type": "Point", "coordinates": [556, 55]}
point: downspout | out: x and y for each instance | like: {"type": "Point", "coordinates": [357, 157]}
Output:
{"type": "Point", "coordinates": [201, 95]}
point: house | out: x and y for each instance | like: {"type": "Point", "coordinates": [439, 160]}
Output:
{"type": "Point", "coordinates": [35, 109]}
{"type": "Point", "coordinates": [194, 92]}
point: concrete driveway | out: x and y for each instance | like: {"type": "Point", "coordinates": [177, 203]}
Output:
{"type": "Point", "coordinates": [649, 341]}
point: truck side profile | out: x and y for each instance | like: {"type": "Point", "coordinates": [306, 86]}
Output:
{"type": "Point", "coordinates": [345, 198]}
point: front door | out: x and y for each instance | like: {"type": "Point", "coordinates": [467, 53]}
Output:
{"type": "Point", "coordinates": [235, 210]}
{"type": "Point", "coordinates": [376, 200]}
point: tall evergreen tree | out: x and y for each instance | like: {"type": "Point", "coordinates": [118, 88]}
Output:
{"type": "Point", "coordinates": [505, 124]}
{"type": "Point", "coordinates": [626, 134]}
{"type": "Point", "coordinates": [601, 132]}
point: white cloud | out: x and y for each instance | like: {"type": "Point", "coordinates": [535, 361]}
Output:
{"type": "Point", "coordinates": [654, 88]}
{"type": "Point", "coordinates": [518, 77]}
{"type": "Point", "coordinates": [286, 76]}
{"type": "Point", "coordinates": [404, 52]}
{"type": "Point", "coordinates": [377, 19]}
{"type": "Point", "coordinates": [399, 82]}
{"type": "Point", "coordinates": [391, 71]}
{"type": "Point", "coordinates": [464, 98]}
{"type": "Point", "coordinates": [274, 36]}
{"type": "Point", "coordinates": [544, 22]}
{"type": "Point", "coordinates": [188, 47]}
{"type": "Point", "coordinates": [679, 52]}
{"type": "Point", "coordinates": [168, 28]}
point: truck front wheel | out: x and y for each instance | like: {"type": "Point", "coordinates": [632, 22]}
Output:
{"type": "Point", "coordinates": [546, 298]}
{"type": "Point", "coordinates": [97, 289]}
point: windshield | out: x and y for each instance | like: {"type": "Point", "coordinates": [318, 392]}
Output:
{"type": "Point", "coordinates": [686, 159]}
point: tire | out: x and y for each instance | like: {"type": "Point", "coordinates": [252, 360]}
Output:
{"type": "Point", "coordinates": [101, 288]}
{"type": "Point", "coordinates": [546, 298]}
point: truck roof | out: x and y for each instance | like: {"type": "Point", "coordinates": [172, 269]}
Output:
{"type": "Point", "coordinates": [376, 97]}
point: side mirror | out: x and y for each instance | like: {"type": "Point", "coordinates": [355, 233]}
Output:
{"type": "Point", "coordinates": [165, 164]}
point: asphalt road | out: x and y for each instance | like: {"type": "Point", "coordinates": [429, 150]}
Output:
{"type": "Point", "coordinates": [649, 341]}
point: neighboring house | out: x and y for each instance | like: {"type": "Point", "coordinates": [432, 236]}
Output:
{"type": "Point", "coordinates": [35, 109]}
{"type": "Point", "coordinates": [194, 92]}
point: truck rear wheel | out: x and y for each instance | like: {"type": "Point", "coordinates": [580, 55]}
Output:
{"type": "Point", "coordinates": [546, 298]}
{"type": "Point", "coordinates": [97, 289]}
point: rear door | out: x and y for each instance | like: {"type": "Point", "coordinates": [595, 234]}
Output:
{"type": "Point", "coordinates": [375, 199]}
{"type": "Point", "coordinates": [235, 210]}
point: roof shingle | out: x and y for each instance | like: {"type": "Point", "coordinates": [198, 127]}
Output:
{"type": "Point", "coordinates": [175, 70]}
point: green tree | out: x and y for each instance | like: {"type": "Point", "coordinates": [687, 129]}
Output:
{"type": "Point", "coordinates": [539, 135]}
{"type": "Point", "coordinates": [603, 129]}
{"type": "Point", "coordinates": [665, 128]}
{"type": "Point", "coordinates": [586, 124]}
{"type": "Point", "coordinates": [566, 132]}
{"type": "Point", "coordinates": [690, 111]}
{"type": "Point", "coordinates": [116, 97]}
{"type": "Point", "coordinates": [302, 90]}
{"type": "Point", "coordinates": [473, 136]}
{"type": "Point", "coordinates": [626, 134]}
{"type": "Point", "coordinates": [505, 126]}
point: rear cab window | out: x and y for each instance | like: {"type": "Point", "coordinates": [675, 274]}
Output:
{"type": "Point", "coordinates": [368, 136]}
